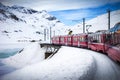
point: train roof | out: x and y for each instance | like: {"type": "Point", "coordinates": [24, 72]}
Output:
{"type": "Point", "coordinates": [115, 28]}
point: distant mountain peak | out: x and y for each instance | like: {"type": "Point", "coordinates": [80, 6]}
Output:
{"type": "Point", "coordinates": [16, 7]}
{"type": "Point", "coordinates": [23, 9]}
{"type": "Point", "coordinates": [2, 6]}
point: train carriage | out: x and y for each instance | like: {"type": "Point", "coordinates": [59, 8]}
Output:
{"type": "Point", "coordinates": [112, 46]}
{"type": "Point", "coordinates": [66, 40]}
{"type": "Point", "coordinates": [96, 42]}
{"type": "Point", "coordinates": [56, 40]}
{"type": "Point", "coordinates": [80, 40]}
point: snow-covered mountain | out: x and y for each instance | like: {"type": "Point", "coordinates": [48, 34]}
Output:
{"type": "Point", "coordinates": [98, 23]}
{"type": "Point", "coordinates": [20, 24]}
{"type": "Point", "coordinates": [24, 24]}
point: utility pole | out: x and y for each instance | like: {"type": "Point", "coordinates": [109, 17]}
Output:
{"type": "Point", "coordinates": [47, 34]}
{"type": "Point", "coordinates": [83, 25]}
{"type": "Point", "coordinates": [50, 34]}
{"type": "Point", "coordinates": [44, 34]}
{"type": "Point", "coordinates": [54, 33]}
{"type": "Point", "coordinates": [108, 19]}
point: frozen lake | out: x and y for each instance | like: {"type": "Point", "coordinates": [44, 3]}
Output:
{"type": "Point", "coordinates": [4, 53]}
{"type": "Point", "coordinates": [9, 49]}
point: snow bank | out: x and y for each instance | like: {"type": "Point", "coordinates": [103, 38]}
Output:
{"type": "Point", "coordinates": [106, 69]}
{"type": "Point", "coordinates": [67, 64]}
{"type": "Point", "coordinates": [28, 55]}
{"type": "Point", "coordinates": [15, 45]}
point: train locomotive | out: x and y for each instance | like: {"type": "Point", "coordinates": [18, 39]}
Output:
{"type": "Point", "coordinates": [105, 42]}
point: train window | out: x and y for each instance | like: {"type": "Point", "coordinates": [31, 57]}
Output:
{"type": "Point", "coordinates": [99, 38]}
{"type": "Point", "coordinates": [69, 39]}
{"type": "Point", "coordinates": [95, 38]}
{"type": "Point", "coordinates": [57, 39]}
{"type": "Point", "coordinates": [82, 39]}
{"type": "Point", "coordinates": [75, 39]}
{"type": "Point", "coordinates": [62, 39]}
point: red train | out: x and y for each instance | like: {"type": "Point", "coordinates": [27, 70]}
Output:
{"type": "Point", "coordinates": [108, 43]}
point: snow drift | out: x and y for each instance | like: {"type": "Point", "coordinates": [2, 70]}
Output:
{"type": "Point", "coordinates": [32, 53]}
{"type": "Point", "coordinates": [68, 63]}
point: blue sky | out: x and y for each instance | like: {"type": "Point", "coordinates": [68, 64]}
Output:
{"type": "Point", "coordinates": [74, 16]}
{"type": "Point", "coordinates": [70, 12]}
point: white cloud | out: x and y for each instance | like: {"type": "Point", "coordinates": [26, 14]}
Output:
{"type": "Point", "coordinates": [53, 5]}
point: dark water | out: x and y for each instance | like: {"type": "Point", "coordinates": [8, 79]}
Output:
{"type": "Point", "coordinates": [5, 53]}
{"type": "Point", "coordinates": [8, 52]}
{"type": "Point", "coordinates": [10, 49]}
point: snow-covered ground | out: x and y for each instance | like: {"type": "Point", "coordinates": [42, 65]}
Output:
{"type": "Point", "coordinates": [68, 63]}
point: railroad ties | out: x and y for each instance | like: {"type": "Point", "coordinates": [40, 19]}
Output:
{"type": "Point", "coordinates": [51, 49]}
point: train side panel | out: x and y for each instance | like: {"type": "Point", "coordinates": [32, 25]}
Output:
{"type": "Point", "coordinates": [83, 40]}
{"type": "Point", "coordinates": [56, 40]}
{"type": "Point", "coordinates": [62, 40]}
{"type": "Point", "coordinates": [113, 46]}
{"type": "Point", "coordinates": [114, 53]}
{"type": "Point", "coordinates": [96, 42]}
{"type": "Point", "coordinates": [75, 41]}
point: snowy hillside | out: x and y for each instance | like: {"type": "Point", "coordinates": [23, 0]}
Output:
{"type": "Point", "coordinates": [20, 24]}
{"type": "Point", "coordinates": [99, 23]}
